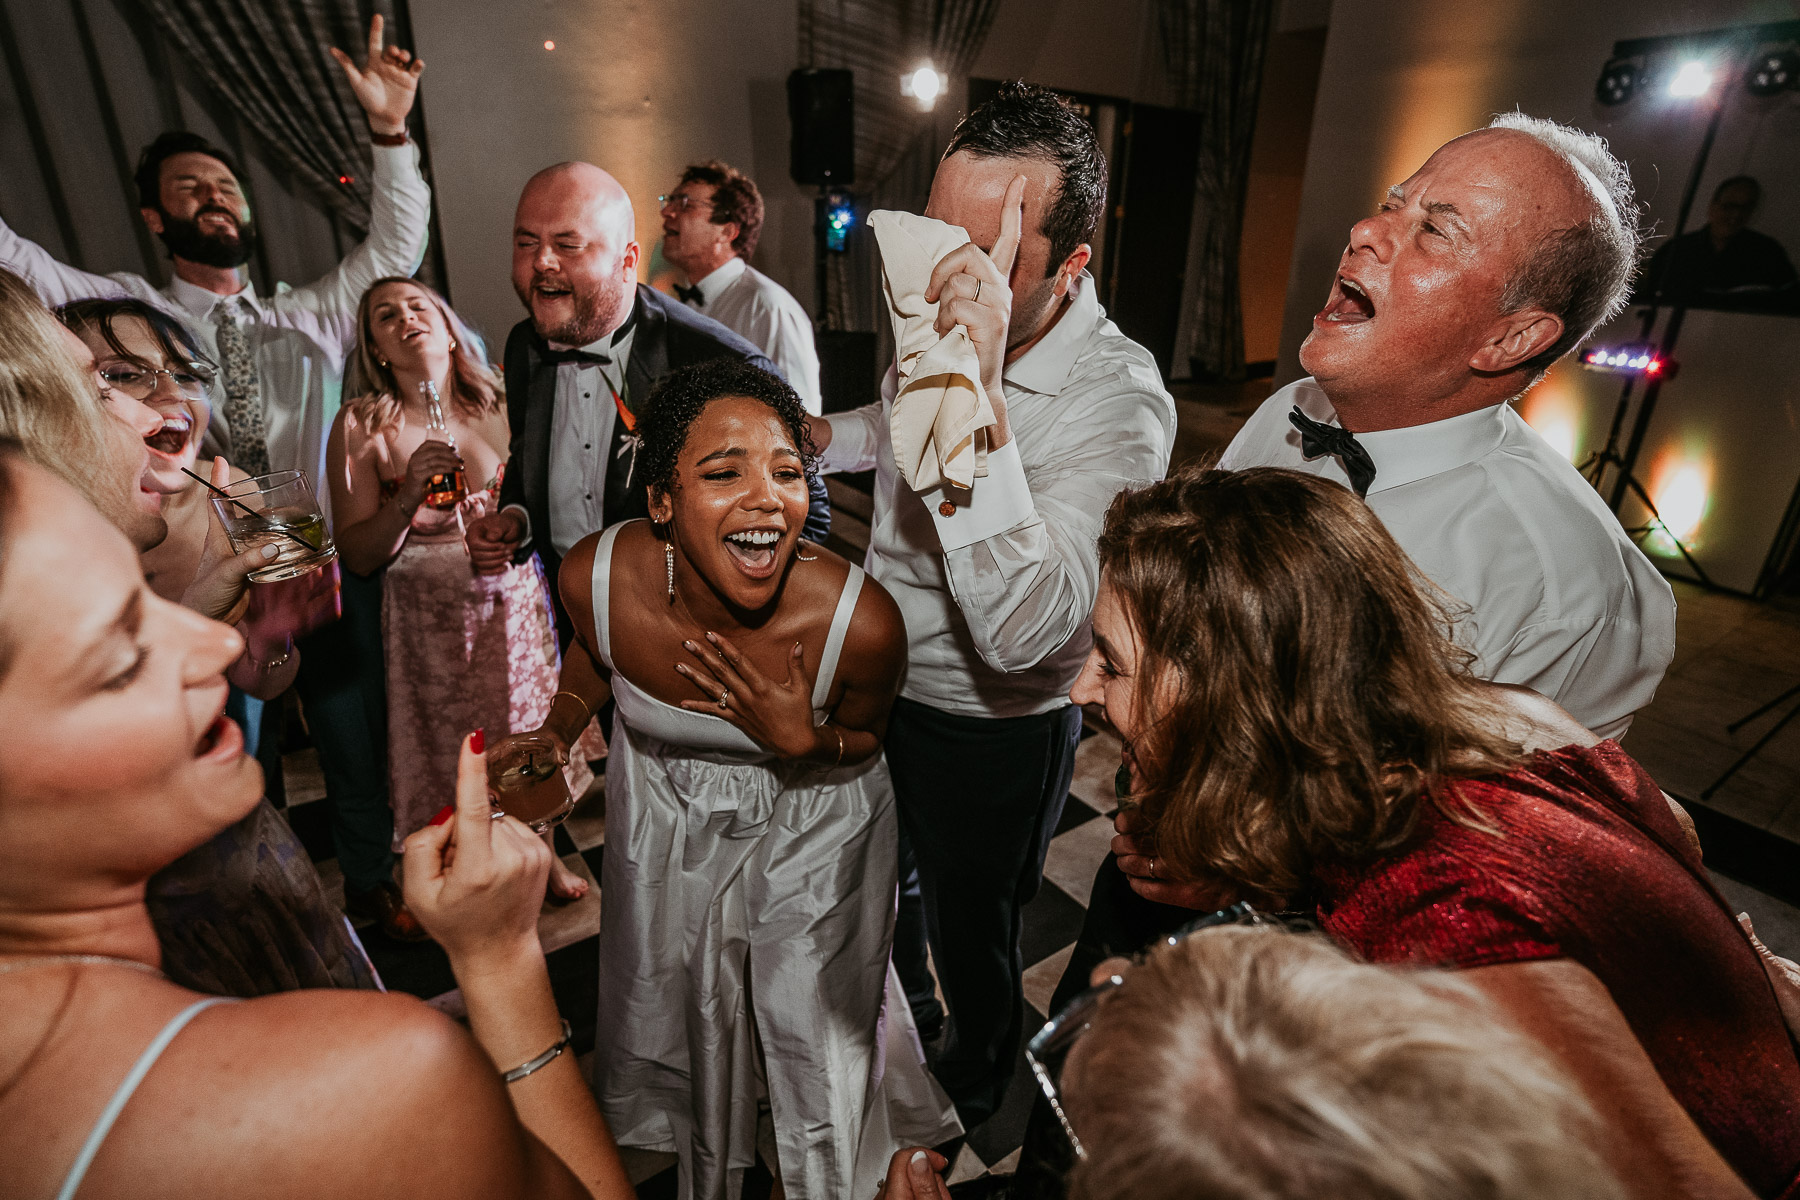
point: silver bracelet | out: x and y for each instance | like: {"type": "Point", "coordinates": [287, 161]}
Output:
{"type": "Point", "coordinates": [541, 1061]}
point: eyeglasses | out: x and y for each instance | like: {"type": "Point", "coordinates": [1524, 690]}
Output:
{"type": "Point", "coordinates": [1049, 1050]}
{"type": "Point", "coordinates": [193, 380]}
{"type": "Point", "coordinates": [678, 201]}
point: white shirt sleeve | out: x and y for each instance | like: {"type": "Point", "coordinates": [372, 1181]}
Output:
{"type": "Point", "coordinates": [399, 225]}
{"type": "Point", "coordinates": [1029, 587]}
{"type": "Point", "coordinates": [855, 437]}
{"type": "Point", "coordinates": [788, 341]}
{"type": "Point", "coordinates": [1601, 671]}
{"type": "Point", "coordinates": [58, 283]}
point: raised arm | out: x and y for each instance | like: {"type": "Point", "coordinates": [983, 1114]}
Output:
{"type": "Point", "coordinates": [477, 884]}
{"type": "Point", "coordinates": [1021, 554]}
{"type": "Point", "coordinates": [58, 283]}
{"type": "Point", "coordinates": [400, 200]}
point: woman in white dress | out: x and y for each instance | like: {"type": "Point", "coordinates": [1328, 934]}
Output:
{"type": "Point", "coordinates": [749, 873]}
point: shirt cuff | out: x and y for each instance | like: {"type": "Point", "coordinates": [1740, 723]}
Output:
{"type": "Point", "coordinates": [523, 516]}
{"type": "Point", "coordinates": [849, 443]}
{"type": "Point", "coordinates": [999, 501]}
{"type": "Point", "coordinates": [395, 160]}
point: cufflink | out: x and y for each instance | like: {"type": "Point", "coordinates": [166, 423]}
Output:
{"type": "Point", "coordinates": [946, 509]}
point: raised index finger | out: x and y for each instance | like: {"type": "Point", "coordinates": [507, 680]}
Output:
{"type": "Point", "coordinates": [375, 25]}
{"type": "Point", "coordinates": [1012, 219]}
{"type": "Point", "coordinates": [474, 824]}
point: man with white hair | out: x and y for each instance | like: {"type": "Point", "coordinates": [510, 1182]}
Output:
{"type": "Point", "coordinates": [1506, 249]}
{"type": "Point", "coordinates": [1496, 258]}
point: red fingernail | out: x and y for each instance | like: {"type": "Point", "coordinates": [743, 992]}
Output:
{"type": "Point", "coordinates": [444, 814]}
{"type": "Point", "coordinates": [478, 741]}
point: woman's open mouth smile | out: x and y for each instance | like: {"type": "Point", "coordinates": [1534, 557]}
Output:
{"type": "Point", "coordinates": [755, 552]}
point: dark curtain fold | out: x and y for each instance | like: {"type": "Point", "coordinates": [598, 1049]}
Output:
{"type": "Point", "coordinates": [267, 60]}
{"type": "Point", "coordinates": [896, 144]}
{"type": "Point", "coordinates": [1213, 51]}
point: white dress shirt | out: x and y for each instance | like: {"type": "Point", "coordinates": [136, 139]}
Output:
{"type": "Point", "coordinates": [999, 594]}
{"type": "Point", "coordinates": [301, 336]}
{"type": "Point", "coordinates": [765, 314]}
{"type": "Point", "coordinates": [581, 429]}
{"type": "Point", "coordinates": [1559, 599]}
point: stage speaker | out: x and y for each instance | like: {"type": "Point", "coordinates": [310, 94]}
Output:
{"type": "Point", "coordinates": [822, 113]}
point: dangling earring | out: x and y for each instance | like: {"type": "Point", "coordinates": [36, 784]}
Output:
{"type": "Point", "coordinates": [669, 562]}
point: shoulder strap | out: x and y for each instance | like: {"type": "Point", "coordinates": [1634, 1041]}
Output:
{"type": "Point", "coordinates": [834, 640]}
{"type": "Point", "coordinates": [602, 592]}
{"type": "Point", "coordinates": [116, 1105]}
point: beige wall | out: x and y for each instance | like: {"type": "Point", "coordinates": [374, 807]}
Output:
{"type": "Point", "coordinates": [640, 89]}
{"type": "Point", "coordinates": [1401, 77]}
{"type": "Point", "coordinates": [1104, 47]}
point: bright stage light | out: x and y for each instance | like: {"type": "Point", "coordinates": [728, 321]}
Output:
{"type": "Point", "coordinates": [1680, 503]}
{"type": "Point", "coordinates": [924, 85]}
{"type": "Point", "coordinates": [1694, 78]}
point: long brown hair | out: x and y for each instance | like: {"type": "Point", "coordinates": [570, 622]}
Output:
{"type": "Point", "coordinates": [1300, 692]}
{"type": "Point", "coordinates": [373, 394]}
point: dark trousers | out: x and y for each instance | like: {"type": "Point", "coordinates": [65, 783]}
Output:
{"type": "Point", "coordinates": [1118, 922]}
{"type": "Point", "coordinates": [343, 689]}
{"type": "Point", "coordinates": [978, 799]}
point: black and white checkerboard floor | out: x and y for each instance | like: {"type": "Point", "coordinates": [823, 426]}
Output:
{"type": "Point", "coordinates": [571, 933]}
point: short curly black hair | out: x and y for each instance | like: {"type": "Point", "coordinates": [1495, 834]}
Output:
{"type": "Point", "coordinates": [684, 394]}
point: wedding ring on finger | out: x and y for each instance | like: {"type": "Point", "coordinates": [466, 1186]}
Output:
{"type": "Point", "coordinates": [725, 698]}
{"type": "Point", "coordinates": [977, 296]}
{"type": "Point", "coordinates": [1155, 872]}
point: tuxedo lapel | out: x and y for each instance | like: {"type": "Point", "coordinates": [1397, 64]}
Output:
{"type": "Point", "coordinates": [540, 409]}
{"type": "Point", "coordinates": [649, 349]}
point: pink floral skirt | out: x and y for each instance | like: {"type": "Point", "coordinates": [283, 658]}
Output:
{"type": "Point", "coordinates": [464, 651]}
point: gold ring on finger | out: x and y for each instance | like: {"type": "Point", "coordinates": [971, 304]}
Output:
{"type": "Point", "coordinates": [724, 697]}
{"type": "Point", "coordinates": [978, 291]}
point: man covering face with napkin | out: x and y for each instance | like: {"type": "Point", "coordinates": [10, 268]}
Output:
{"type": "Point", "coordinates": [1015, 413]}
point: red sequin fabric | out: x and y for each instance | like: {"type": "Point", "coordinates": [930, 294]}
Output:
{"type": "Point", "coordinates": [1589, 864]}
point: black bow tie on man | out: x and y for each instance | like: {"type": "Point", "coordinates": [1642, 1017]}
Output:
{"type": "Point", "coordinates": [691, 295]}
{"type": "Point", "coordinates": [1318, 439]}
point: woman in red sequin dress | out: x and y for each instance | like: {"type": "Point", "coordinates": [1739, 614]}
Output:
{"type": "Point", "coordinates": [1301, 733]}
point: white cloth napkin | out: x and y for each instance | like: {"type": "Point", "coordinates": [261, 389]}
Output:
{"type": "Point", "coordinates": [941, 415]}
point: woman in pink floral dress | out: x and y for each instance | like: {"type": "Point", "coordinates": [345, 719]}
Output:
{"type": "Point", "coordinates": [464, 651]}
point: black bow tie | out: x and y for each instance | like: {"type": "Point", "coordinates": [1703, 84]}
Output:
{"type": "Point", "coordinates": [578, 356]}
{"type": "Point", "coordinates": [1317, 439]}
{"type": "Point", "coordinates": [691, 295]}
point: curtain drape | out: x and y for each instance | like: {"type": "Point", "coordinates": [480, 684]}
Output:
{"type": "Point", "coordinates": [896, 144]}
{"type": "Point", "coordinates": [1213, 50]}
{"type": "Point", "coordinates": [267, 59]}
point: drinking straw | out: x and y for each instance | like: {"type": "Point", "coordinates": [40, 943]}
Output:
{"type": "Point", "coordinates": [267, 524]}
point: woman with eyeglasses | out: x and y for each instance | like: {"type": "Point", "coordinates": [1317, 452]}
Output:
{"type": "Point", "coordinates": [146, 356]}
{"type": "Point", "coordinates": [1301, 733]}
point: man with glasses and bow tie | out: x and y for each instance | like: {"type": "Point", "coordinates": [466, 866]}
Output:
{"type": "Point", "coordinates": [710, 224]}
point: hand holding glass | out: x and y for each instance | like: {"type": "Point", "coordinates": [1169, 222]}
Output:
{"type": "Point", "coordinates": [526, 780]}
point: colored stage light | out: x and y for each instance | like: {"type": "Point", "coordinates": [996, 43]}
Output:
{"type": "Point", "coordinates": [1625, 360]}
{"type": "Point", "coordinates": [840, 216]}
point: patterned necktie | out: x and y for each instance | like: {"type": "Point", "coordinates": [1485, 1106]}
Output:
{"type": "Point", "coordinates": [691, 295]}
{"type": "Point", "coordinates": [1317, 439]}
{"type": "Point", "coordinates": [243, 392]}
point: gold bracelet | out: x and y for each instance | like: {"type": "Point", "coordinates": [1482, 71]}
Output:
{"type": "Point", "coordinates": [839, 735]}
{"type": "Point", "coordinates": [586, 712]}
